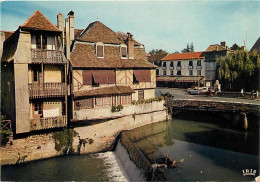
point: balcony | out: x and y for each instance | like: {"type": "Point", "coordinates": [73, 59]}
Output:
{"type": "Point", "coordinates": [41, 90]}
{"type": "Point", "coordinates": [47, 56]}
{"type": "Point", "coordinates": [190, 67]}
{"type": "Point", "coordinates": [199, 67]}
{"type": "Point", "coordinates": [48, 123]}
{"type": "Point", "coordinates": [178, 67]}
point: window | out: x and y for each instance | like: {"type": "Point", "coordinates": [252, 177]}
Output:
{"type": "Point", "coordinates": [164, 72]}
{"type": "Point", "coordinates": [41, 42]}
{"type": "Point", "coordinates": [123, 51]}
{"type": "Point", "coordinates": [179, 72]}
{"type": "Point", "coordinates": [171, 65]}
{"type": "Point", "coordinates": [36, 73]}
{"type": "Point", "coordinates": [164, 64]}
{"type": "Point", "coordinates": [140, 94]}
{"type": "Point", "coordinates": [199, 72]}
{"type": "Point", "coordinates": [190, 72]}
{"type": "Point", "coordinates": [126, 99]}
{"type": "Point", "coordinates": [179, 63]}
{"type": "Point", "coordinates": [37, 108]}
{"type": "Point", "coordinates": [157, 71]}
{"type": "Point", "coordinates": [84, 103]}
{"type": "Point", "coordinates": [103, 101]}
{"type": "Point", "coordinates": [100, 50]}
{"type": "Point", "coordinates": [199, 63]}
{"type": "Point", "coordinates": [190, 63]}
{"type": "Point", "coordinates": [171, 72]}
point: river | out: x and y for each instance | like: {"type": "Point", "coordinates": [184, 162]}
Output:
{"type": "Point", "coordinates": [212, 149]}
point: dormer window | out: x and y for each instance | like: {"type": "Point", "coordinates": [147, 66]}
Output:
{"type": "Point", "coordinates": [100, 50]}
{"type": "Point", "coordinates": [123, 51]}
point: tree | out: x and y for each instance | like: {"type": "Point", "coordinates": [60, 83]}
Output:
{"type": "Point", "coordinates": [238, 70]}
{"type": "Point", "coordinates": [189, 48]}
{"type": "Point", "coordinates": [158, 51]}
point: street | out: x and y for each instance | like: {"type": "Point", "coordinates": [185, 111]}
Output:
{"type": "Point", "coordinates": [179, 93]}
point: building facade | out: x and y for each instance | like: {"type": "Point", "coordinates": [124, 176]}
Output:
{"type": "Point", "coordinates": [34, 85]}
{"type": "Point", "coordinates": [182, 69]}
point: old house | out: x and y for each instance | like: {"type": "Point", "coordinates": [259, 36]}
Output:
{"type": "Point", "coordinates": [156, 59]}
{"type": "Point", "coordinates": [182, 69]}
{"type": "Point", "coordinates": [211, 54]}
{"type": "Point", "coordinates": [108, 69]}
{"type": "Point", "coordinates": [33, 72]}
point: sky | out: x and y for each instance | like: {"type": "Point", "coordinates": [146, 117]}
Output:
{"type": "Point", "coordinates": [167, 25]}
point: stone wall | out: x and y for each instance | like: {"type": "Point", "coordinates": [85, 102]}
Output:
{"type": "Point", "coordinates": [87, 139]}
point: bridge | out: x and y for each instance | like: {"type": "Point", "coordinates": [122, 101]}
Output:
{"type": "Point", "coordinates": [210, 105]}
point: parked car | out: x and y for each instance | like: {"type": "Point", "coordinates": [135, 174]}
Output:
{"type": "Point", "coordinates": [198, 90]}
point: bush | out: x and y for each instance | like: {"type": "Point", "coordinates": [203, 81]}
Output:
{"type": "Point", "coordinates": [63, 139]}
{"type": "Point", "coordinates": [117, 108]}
{"type": "Point", "coordinates": [157, 99]}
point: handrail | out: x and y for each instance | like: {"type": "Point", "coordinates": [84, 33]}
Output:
{"type": "Point", "coordinates": [47, 56]}
{"type": "Point", "coordinates": [48, 123]}
{"type": "Point", "coordinates": [47, 89]}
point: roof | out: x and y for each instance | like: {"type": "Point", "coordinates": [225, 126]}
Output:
{"type": "Point", "coordinates": [179, 78]}
{"type": "Point", "coordinates": [9, 47]}
{"type": "Point", "coordinates": [183, 56]}
{"type": "Point", "coordinates": [83, 55]}
{"type": "Point", "coordinates": [7, 34]}
{"type": "Point", "coordinates": [114, 90]}
{"type": "Point", "coordinates": [215, 47]}
{"type": "Point", "coordinates": [98, 32]}
{"type": "Point", "coordinates": [77, 32]}
{"type": "Point", "coordinates": [156, 57]}
{"type": "Point", "coordinates": [123, 36]}
{"type": "Point", "coordinates": [37, 21]}
{"type": "Point", "coordinates": [256, 46]}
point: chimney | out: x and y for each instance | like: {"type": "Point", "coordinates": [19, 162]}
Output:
{"type": "Point", "coordinates": [71, 24]}
{"type": "Point", "coordinates": [243, 48]}
{"type": "Point", "coordinates": [67, 29]}
{"type": "Point", "coordinates": [130, 45]}
{"type": "Point", "coordinates": [223, 44]}
{"type": "Point", "coordinates": [60, 24]}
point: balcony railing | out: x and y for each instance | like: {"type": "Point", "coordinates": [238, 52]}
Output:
{"type": "Point", "coordinates": [48, 123]}
{"type": "Point", "coordinates": [199, 67]}
{"type": "Point", "coordinates": [190, 67]}
{"type": "Point", "coordinates": [40, 90]}
{"type": "Point", "coordinates": [47, 56]}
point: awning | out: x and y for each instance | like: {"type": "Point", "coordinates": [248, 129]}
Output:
{"type": "Point", "coordinates": [142, 75]}
{"type": "Point", "coordinates": [114, 90]}
{"type": "Point", "coordinates": [99, 76]}
{"type": "Point", "coordinates": [179, 78]}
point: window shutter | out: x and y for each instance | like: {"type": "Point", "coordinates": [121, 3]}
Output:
{"type": "Point", "coordinates": [123, 51]}
{"type": "Point", "coordinates": [100, 52]}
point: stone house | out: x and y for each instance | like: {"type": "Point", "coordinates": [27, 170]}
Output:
{"type": "Point", "coordinates": [33, 72]}
{"type": "Point", "coordinates": [182, 69]}
{"type": "Point", "coordinates": [211, 54]}
{"type": "Point", "coordinates": [107, 69]}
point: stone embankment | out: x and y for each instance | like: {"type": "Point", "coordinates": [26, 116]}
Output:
{"type": "Point", "coordinates": [85, 140]}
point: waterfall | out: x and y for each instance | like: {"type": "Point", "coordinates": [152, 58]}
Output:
{"type": "Point", "coordinates": [133, 172]}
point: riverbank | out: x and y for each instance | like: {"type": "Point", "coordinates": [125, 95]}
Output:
{"type": "Point", "coordinates": [93, 138]}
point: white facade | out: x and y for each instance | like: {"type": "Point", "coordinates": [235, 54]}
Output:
{"type": "Point", "coordinates": [183, 68]}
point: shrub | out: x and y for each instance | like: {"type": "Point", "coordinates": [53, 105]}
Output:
{"type": "Point", "coordinates": [63, 139]}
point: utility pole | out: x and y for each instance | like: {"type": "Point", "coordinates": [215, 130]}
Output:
{"type": "Point", "coordinates": [245, 42]}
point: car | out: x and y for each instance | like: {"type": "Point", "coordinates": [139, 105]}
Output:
{"type": "Point", "coordinates": [197, 90]}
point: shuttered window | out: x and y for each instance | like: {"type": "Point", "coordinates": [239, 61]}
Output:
{"type": "Point", "coordinates": [100, 51]}
{"type": "Point", "coordinates": [123, 52]}
{"type": "Point", "coordinates": [86, 103]}
{"type": "Point", "coordinates": [126, 99]}
{"type": "Point", "coordinates": [140, 94]}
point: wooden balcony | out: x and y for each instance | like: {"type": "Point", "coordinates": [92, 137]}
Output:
{"type": "Point", "coordinates": [48, 123]}
{"type": "Point", "coordinates": [47, 56]}
{"type": "Point", "coordinates": [42, 90]}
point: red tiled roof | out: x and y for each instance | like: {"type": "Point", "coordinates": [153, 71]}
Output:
{"type": "Point", "coordinates": [83, 55]}
{"type": "Point", "coordinates": [98, 32]}
{"type": "Point", "coordinates": [114, 90]}
{"type": "Point", "coordinates": [183, 56]}
{"type": "Point", "coordinates": [77, 32]}
{"type": "Point", "coordinates": [37, 21]}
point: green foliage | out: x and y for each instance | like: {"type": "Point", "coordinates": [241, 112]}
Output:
{"type": "Point", "coordinates": [63, 139]}
{"type": "Point", "coordinates": [157, 99]}
{"type": "Point", "coordinates": [117, 108]}
{"type": "Point", "coordinates": [157, 51]}
{"type": "Point", "coordinates": [238, 70]}
{"type": "Point", "coordinates": [235, 47]}
{"type": "Point", "coordinates": [189, 48]}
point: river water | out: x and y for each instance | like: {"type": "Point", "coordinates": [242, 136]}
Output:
{"type": "Point", "coordinates": [212, 150]}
